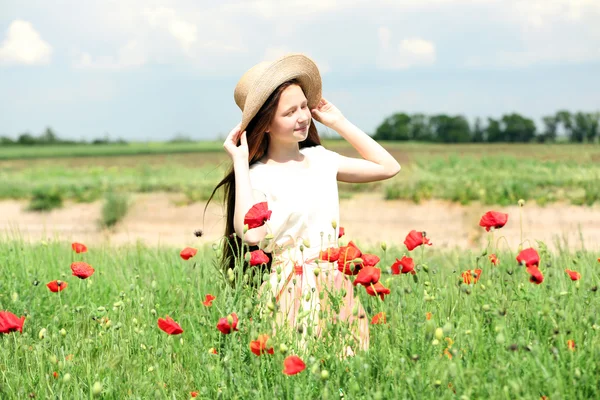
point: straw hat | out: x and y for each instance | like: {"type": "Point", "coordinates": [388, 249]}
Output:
{"type": "Point", "coordinates": [260, 81]}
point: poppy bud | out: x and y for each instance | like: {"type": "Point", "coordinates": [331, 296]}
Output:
{"type": "Point", "coordinates": [246, 227]}
{"type": "Point", "coordinates": [247, 256]}
{"type": "Point", "coordinates": [153, 311]}
{"type": "Point", "coordinates": [271, 306]}
{"type": "Point", "coordinates": [324, 375]}
{"type": "Point", "coordinates": [63, 332]}
{"type": "Point", "coordinates": [439, 333]}
{"type": "Point", "coordinates": [521, 202]}
{"type": "Point", "coordinates": [435, 342]}
{"type": "Point", "coordinates": [343, 292]}
{"type": "Point", "coordinates": [283, 348]}
{"type": "Point", "coordinates": [269, 236]}
{"type": "Point", "coordinates": [97, 389]}
{"type": "Point", "coordinates": [306, 242]}
{"type": "Point", "coordinates": [437, 383]}
{"type": "Point", "coordinates": [301, 247]}
{"type": "Point", "coordinates": [425, 268]}
{"type": "Point", "coordinates": [42, 333]}
{"type": "Point", "coordinates": [383, 246]}
{"type": "Point", "coordinates": [307, 296]}
{"type": "Point", "coordinates": [66, 378]}
{"type": "Point", "coordinates": [334, 224]}
{"type": "Point", "coordinates": [317, 271]}
{"type": "Point", "coordinates": [230, 275]}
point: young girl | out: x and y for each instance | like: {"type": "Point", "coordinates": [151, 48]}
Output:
{"type": "Point", "coordinates": [278, 158]}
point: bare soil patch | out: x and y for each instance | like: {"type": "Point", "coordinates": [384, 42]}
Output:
{"type": "Point", "coordinates": [156, 219]}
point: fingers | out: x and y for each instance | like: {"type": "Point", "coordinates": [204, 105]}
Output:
{"type": "Point", "coordinates": [244, 139]}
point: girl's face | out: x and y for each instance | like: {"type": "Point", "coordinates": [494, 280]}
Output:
{"type": "Point", "coordinates": [292, 117]}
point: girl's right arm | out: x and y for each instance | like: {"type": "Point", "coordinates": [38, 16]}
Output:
{"type": "Point", "coordinates": [244, 199]}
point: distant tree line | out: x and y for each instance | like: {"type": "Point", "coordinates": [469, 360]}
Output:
{"type": "Point", "coordinates": [49, 138]}
{"type": "Point", "coordinates": [579, 127]}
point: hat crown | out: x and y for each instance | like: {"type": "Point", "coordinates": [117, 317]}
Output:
{"type": "Point", "coordinates": [247, 81]}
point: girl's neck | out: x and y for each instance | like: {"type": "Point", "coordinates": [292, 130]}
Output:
{"type": "Point", "coordinates": [283, 153]}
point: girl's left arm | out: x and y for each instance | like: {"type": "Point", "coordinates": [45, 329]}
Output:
{"type": "Point", "coordinates": [377, 163]}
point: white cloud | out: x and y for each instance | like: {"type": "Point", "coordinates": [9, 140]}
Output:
{"type": "Point", "coordinates": [410, 52]}
{"type": "Point", "coordinates": [23, 45]}
{"type": "Point", "coordinates": [129, 56]}
{"type": "Point", "coordinates": [185, 32]}
{"type": "Point", "coordinates": [273, 53]}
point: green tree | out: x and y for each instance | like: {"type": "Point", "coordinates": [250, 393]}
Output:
{"type": "Point", "coordinates": [585, 127]}
{"type": "Point", "coordinates": [493, 131]}
{"type": "Point", "coordinates": [517, 128]}
{"type": "Point", "coordinates": [551, 126]}
{"type": "Point", "coordinates": [450, 129]}
{"type": "Point", "coordinates": [478, 132]}
{"type": "Point", "coordinates": [396, 127]}
{"type": "Point", "coordinates": [26, 139]}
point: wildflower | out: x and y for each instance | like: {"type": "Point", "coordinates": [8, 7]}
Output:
{"type": "Point", "coordinates": [9, 322]}
{"type": "Point", "coordinates": [194, 394]}
{"type": "Point", "coordinates": [345, 260]}
{"type": "Point", "coordinates": [259, 346]}
{"type": "Point", "coordinates": [331, 254]}
{"type": "Point", "coordinates": [493, 259]}
{"type": "Point", "coordinates": [257, 215]}
{"type": "Point", "coordinates": [258, 257]}
{"type": "Point", "coordinates": [169, 326]}
{"type": "Point", "coordinates": [536, 274]}
{"type": "Point", "coordinates": [407, 265]}
{"type": "Point", "coordinates": [415, 239]}
{"type": "Point", "coordinates": [367, 276]}
{"type": "Point", "coordinates": [471, 276]}
{"type": "Point", "coordinates": [82, 270]}
{"type": "Point", "coordinates": [369, 260]}
{"type": "Point", "coordinates": [378, 319]}
{"type": "Point", "coordinates": [56, 286]}
{"type": "Point", "coordinates": [208, 300]}
{"type": "Point", "coordinates": [574, 275]}
{"type": "Point", "coordinates": [78, 247]}
{"type": "Point", "coordinates": [341, 232]}
{"type": "Point", "coordinates": [97, 388]}
{"type": "Point", "coordinates": [493, 219]}
{"type": "Point", "coordinates": [428, 316]}
{"type": "Point", "coordinates": [55, 375]}
{"type": "Point", "coordinates": [212, 350]}
{"type": "Point", "coordinates": [529, 257]}
{"type": "Point", "coordinates": [571, 344]}
{"type": "Point", "coordinates": [293, 365]}
{"type": "Point", "coordinates": [188, 253]}
{"type": "Point", "coordinates": [228, 324]}
{"type": "Point", "coordinates": [377, 289]}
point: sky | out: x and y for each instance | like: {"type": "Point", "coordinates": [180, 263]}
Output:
{"type": "Point", "coordinates": [151, 70]}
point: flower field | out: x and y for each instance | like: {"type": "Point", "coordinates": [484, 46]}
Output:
{"type": "Point", "coordinates": [81, 321]}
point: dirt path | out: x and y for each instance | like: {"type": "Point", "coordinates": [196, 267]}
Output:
{"type": "Point", "coordinates": [154, 219]}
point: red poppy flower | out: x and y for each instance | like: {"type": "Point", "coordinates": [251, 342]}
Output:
{"type": "Point", "coordinates": [571, 344]}
{"type": "Point", "coordinates": [55, 375]}
{"type": "Point", "coordinates": [347, 254]}
{"type": "Point", "coordinates": [471, 276]}
{"type": "Point", "coordinates": [367, 275]}
{"type": "Point", "coordinates": [493, 259]}
{"type": "Point", "coordinates": [427, 315]}
{"type": "Point", "coordinates": [415, 239]}
{"type": "Point", "coordinates": [529, 257]}
{"type": "Point", "coordinates": [407, 265]}
{"type": "Point", "coordinates": [378, 318]}
{"type": "Point", "coordinates": [78, 247]}
{"type": "Point", "coordinates": [169, 326]}
{"type": "Point", "coordinates": [536, 275]}
{"type": "Point", "coordinates": [293, 365]}
{"type": "Point", "coordinates": [9, 322]}
{"type": "Point", "coordinates": [493, 219]}
{"type": "Point", "coordinates": [259, 346]}
{"type": "Point", "coordinates": [208, 300]}
{"type": "Point", "coordinates": [194, 394]}
{"type": "Point", "coordinates": [257, 215]}
{"type": "Point", "coordinates": [369, 260]}
{"type": "Point", "coordinates": [341, 232]}
{"type": "Point", "coordinates": [56, 286]}
{"type": "Point", "coordinates": [228, 324]}
{"type": "Point", "coordinates": [377, 289]}
{"type": "Point", "coordinates": [188, 253]}
{"type": "Point", "coordinates": [258, 257]}
{"type": "Point", "coordinates": [574, 275]}
{"type": "Point", "coordinates": [82, 269]}
{"type": "Point", "coordinates": [331, 254]}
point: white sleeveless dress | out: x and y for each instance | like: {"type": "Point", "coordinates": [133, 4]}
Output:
{"type": "Point", "coordinates": [305, 204]}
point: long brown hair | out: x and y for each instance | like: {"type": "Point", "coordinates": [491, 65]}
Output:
{"type": "Point", "coordinates": [258, 144]}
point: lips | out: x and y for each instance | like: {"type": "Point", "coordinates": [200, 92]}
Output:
{"type": "Point", "coordinates": [301, 129]}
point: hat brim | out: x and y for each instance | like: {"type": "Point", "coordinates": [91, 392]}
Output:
{"type": "Point", "coordinates": [292, 66]}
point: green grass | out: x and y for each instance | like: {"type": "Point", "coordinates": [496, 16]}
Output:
{"type": "Point", "coordinates": [509, 336]}
{"type": "Point", "coordinates": [105, 150]}
{"type": "Point", "coordinates": [491, 174]}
